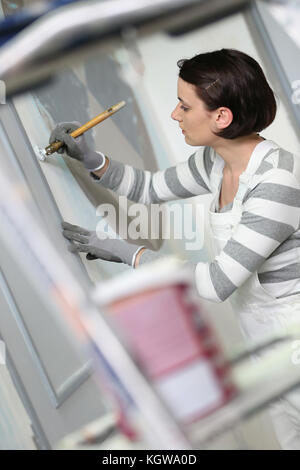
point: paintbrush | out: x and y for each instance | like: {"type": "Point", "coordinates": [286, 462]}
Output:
{"type": "Point", "coordinates": [52, 148]}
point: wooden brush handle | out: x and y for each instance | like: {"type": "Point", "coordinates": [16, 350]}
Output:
{"type": "Point", "coordinates": [96, 120]}
{"type": "Point", "coordinates": [52, 148]}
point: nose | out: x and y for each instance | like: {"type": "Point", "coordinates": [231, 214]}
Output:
{"type": "Point", "coordinates": [176, 113]}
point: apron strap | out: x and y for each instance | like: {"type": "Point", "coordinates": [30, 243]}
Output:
{"type": "Point", "coordinates": [244, 182]}
{"type": "Point", "coordinates": [216, 174]}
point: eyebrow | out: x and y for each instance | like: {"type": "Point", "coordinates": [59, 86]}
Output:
{"type": "Point", "coordinates": [184, 102]}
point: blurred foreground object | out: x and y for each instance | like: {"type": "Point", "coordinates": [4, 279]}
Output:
{"type": "Point", "coordinates": [55, 37]}
{"type": "Point", "coordinates": [158, 312]}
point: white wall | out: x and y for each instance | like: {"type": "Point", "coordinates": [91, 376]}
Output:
{"type": "Point", "coordinates": [160, 54]}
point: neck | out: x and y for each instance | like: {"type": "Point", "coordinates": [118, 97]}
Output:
{"type": "Point", "coordinates": [237, 152]}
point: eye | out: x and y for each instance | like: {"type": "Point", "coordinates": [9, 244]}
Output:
{"type": "Point", "coordinates": [184, 108]}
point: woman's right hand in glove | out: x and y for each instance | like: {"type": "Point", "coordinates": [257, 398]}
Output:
{"type": "Point", "coordinates": [77, 147]}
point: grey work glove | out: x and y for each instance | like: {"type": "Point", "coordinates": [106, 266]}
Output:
{"type": "Point", "coordinates": [110, 249]}
{"type": "Point", "coordinates": [76, 148]}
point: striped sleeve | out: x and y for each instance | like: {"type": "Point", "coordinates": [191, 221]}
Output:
{"type": "Point", "coordinates": [184, 180]}
{"type": "Point", "coordinates": [270, 215]}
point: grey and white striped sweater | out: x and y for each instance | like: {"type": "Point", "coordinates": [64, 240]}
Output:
{"type": "Point", "coordinates": [267, 238]}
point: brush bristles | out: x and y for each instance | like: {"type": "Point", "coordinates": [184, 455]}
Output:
{"type": "Point", "coordinates": [40, 153]}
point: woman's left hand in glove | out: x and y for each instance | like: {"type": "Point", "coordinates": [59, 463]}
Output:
{"type": "Point", "coordinates": [109, 249]}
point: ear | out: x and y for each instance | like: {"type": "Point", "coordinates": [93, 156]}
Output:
{"type": "Point", "coordinates": [223, 118]}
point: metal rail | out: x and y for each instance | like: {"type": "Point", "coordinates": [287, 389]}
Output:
{"type": "Point", "coordinates": [73, 30]}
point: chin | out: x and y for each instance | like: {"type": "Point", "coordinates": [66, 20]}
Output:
{"type": "Point", "coordinates": [192, 142]}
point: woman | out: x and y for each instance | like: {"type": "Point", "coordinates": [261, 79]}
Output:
{"type": "Point", "coordinates": [224, 102]}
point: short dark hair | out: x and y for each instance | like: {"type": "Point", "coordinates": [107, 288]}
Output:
{"type": "Point", "coordinates": [231, 78]}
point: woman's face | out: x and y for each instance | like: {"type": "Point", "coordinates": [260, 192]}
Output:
{"type": "Point", "coordinates": [193, 118]}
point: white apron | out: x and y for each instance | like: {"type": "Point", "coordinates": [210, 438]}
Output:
{"type": "Point", "coordinates": [258, 312]}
